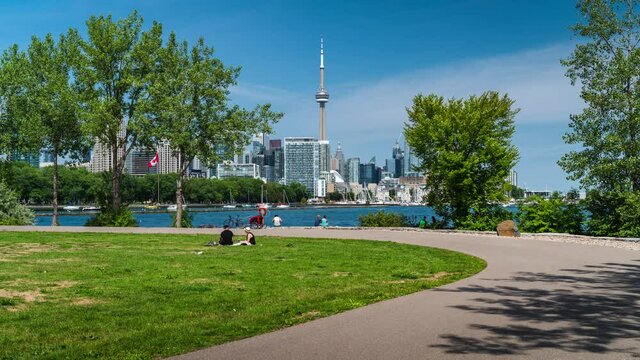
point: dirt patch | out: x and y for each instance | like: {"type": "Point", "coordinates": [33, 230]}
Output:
{"type": "Point", "coordinates": [65, 284]}
{"type": "Point", "coordinates": [200, 281]}
{"type": "Point", "coordinates": [433, 277]}
{"type": "Point", "coordinates": [26, 296]}
{"type": "Point", "coordinates": [17, 308]}
{"type": "Point", "coordinates": [341, 274]}
{"type": "Point", "coordinates": [56, 261]}
{"type": "Point", "coordinates": [85, 302]}
{"type": "Point", "coordinates": [308, 315]}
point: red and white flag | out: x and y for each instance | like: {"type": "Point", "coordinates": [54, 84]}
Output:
{"type": "Point", "coordinates": [153, 161]}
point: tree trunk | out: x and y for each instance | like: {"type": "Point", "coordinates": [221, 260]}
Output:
{"type": "Point", "coordinates": [115, 179]}
{"type": "Point", "coordinates": [179, 198]}
{"type": "Point", "coordinates": [54, 201]}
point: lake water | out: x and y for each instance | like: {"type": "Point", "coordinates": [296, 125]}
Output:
{"type": "Point", "coordinates": [337, 216]}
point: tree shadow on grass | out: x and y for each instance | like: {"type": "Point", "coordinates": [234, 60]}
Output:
{"type": "Point", "coordinates": [578, 310]}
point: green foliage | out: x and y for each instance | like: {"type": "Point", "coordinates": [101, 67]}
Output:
{"type": "Point", "coordinates": [485, 218]}
{"type": "Point", "coordinates": [515, 192]}
{"type": "Point", "coordinates": [465, 147]}
{"type": "Point", "coordinates": [186, 219]}
{"type": "Point", "coordinates": [11, 211]}
{"type": "Point", "coordinates": [553, 215]}
{"type": "Point", "coordinates": [606, 64]}
{"type": "Point", "coordinates": [613, 213]}
{"type": "Point", "coordinates": [383, 219]}
{"type": "Point", "coordinates": [108, 217]}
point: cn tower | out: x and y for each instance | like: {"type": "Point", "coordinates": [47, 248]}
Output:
{"type": "Point", "coordinates": [322, 96]}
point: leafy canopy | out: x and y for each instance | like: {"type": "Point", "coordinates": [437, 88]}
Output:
{"type": "Point", "coordinates": [607, 66]}
{"type": "Point", "coordinates": [465, 148]}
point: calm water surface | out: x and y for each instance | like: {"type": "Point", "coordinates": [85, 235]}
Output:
{"type": "Point", "coordinates": [337, 216]}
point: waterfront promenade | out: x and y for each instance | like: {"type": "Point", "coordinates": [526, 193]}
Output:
{"type": "Point", "coordinates": [536, 300]}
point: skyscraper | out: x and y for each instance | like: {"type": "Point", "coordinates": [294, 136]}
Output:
{"type": "Point", "coordinates": [322, 96]}
{"type": "Point", "coordinates": [301, 162]}
{"type": "Point", "coordinates": [341, 165]}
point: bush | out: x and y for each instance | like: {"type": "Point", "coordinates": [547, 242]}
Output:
{"type": "Point", "coordinates": [383, 219]}
{"type": "Point", "coordinates": [11, 211]}
{"type": "Point", "coordinates": [110, 218]}
{"type": "Point", "coordinates": [616, 213]}
{"type": "Point", "coordinates": [485, 218]}
{"type": "Point", "coordinates": [552, 215]}
{"type": "Point", "coordinates": [186, 221]}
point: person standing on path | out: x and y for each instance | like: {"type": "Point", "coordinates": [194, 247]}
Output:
{"type": "Point", "coordinates": [318, 220]}
{"type": "Point", "coordinates": [277, 221]}
{"type": "Point", "coordinates": [324, 222]}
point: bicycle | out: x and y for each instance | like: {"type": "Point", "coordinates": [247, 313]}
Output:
{"type": "Point", "coordinates": [234, 223]}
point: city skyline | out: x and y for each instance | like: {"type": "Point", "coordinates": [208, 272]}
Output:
{"type": "Point", "coordinates": [381, 56]}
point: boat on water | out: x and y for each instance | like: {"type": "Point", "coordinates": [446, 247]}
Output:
{"type": "Point", "coordinates": [285, 201]}
{"type": "Point", "coordinates": [231, 204]}
{"type": "Point", "coordinates": [90, 208]}
{"type": "Point", "coordinates": [174, 207]}
{"type": "Point", "coordinates": [71, 208]}
{"type": "Point", "coordinates": [151, 207]}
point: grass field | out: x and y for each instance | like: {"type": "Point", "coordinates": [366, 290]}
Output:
{"type": "Point", "coordinates": [78, 296]}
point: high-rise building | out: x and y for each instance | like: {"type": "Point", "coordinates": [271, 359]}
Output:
{"type": "Point", "coordinates": [229, 170]}
{"type": "Point", "coordinates": [352, 173]}
{"type": "Point", "coordinates": [341, 165]}
{"type": "Point", "coordinates": [302, 162]}
{"type": "Point", "coordinates": [369, 174]}
{"type": "Point", "coordinates": [513, 178]}
{"type": "Point", "coordinates": [32, 158]}
{"type": "Point", "coordinates": [274, 158]}
{"type": "Point", "coordinates": [275, 144]}
{"type": "Point", "coordinates": [322, 96]}
{"type": "Point", "coordinates": [137, 162]}
{"type": "Point", "coordinates": [325, 156]}
{"type": "Point", "coordinates": [168, 159]}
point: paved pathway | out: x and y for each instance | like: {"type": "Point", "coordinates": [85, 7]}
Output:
{"type": "Point", "coordinates": [536, 300]}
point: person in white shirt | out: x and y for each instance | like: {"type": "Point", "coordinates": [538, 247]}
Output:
{"type": "Point", "coordinates": [277, 221]}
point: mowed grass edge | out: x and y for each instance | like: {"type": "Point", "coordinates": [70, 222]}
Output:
{"type": "Point", "coordinates": [143, 296]}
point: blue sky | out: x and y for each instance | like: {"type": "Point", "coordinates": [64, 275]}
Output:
{"type": "Point", "coordinates": [378, 56]}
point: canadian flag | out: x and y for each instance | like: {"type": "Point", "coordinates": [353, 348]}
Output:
{"type": "Point", "coordinates": [153, 161]}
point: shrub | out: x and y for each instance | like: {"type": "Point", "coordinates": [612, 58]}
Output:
{"type": "Point", "coordinates": [186, 221]}
{"type": "Point", "coordinates": [11, 211]}
{"type": "Point", "coordinates": [383, 219]}
{"type": "Point", "coordinates": [110, 218]}
{"type": "Point", "coordinates": [552, 215]}
{"type": "Point", "coordinates": [616, 213]}
{"type": "Point", "coordinates": [485, 218]}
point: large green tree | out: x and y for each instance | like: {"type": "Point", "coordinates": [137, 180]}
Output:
{"type": "Point", "coordinates": [189, 95]}
{"type": "Point", "coordinates": [606, 64]}
{"type": "Point", "coordinates": [53, 103]}
{"type": "Point", "coordinates": [115, 63]}
{"type": "Point", "coordinates": [466, 151]}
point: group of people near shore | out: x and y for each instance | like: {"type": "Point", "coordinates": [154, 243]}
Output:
{"type": "Point", "coordinates": [226, 236]}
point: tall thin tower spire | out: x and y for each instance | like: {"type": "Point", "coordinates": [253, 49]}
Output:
{"type": "Point", "coordinates": [322, 96]}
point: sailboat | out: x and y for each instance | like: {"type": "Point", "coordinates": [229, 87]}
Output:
{"type": "Point", "coordinates": [231, 204]}
{"type": "Point", "coordinates": [248, 204]}
{"type": "Point", "coordinates": [284, 198]}
{"type": "Point", "coordinates": [262, 203]}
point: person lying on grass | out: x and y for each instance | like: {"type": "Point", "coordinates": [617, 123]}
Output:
{"type": "Point", "coordinates": [251, 239]}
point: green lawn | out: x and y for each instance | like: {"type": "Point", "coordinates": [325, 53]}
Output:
{"type": "Point", "coordinates": [73, 296]}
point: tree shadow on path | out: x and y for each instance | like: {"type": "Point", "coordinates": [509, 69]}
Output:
{"type": "Point", "coordinates": [577, 310]}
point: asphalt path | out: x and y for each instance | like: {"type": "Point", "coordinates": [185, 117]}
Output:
{"type": "Point", "coordinates": [535, 300]}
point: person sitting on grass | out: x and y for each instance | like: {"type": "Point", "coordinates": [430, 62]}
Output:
{"type": "Point", "coordinates": [226, 238]}
{"type": "Point", "coordinates": [251, 239]}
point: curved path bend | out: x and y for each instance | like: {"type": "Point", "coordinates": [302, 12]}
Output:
{"type": "Point", "coordinates": [535, 300]}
